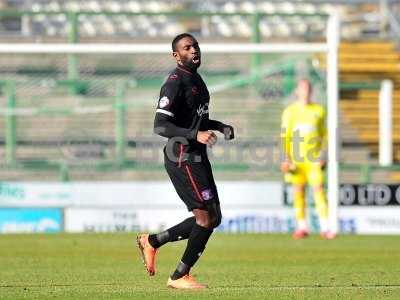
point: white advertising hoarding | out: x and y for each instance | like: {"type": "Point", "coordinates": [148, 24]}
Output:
{"type": "Point", "coordinates": [152, 206]}
{"type": "Point", "coordinates": [366, 220]}
{"type": "Point", "coordinates": [370, 220]}
{"type": "Point", "coordinates": [159, 194]}
{"type": "Point", "coordinates": [129, 220]}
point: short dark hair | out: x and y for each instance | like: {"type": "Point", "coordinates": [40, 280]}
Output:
{"type": "Point", "coordinates": [178, 38]}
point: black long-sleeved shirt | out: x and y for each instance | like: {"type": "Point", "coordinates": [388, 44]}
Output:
{"type": "Point", "coordinates": [182, 109]}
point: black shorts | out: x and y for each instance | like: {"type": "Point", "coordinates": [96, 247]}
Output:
{"type": "Point", "coordinates": [193, 181]}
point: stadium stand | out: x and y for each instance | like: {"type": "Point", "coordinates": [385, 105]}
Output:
{"type": "Point", "coordinates": [375, 62]}
{"type": "Point", "coordinates": [362, 63]}
{"type": "Point", "coordinates": [362, 67]}
{"type": "Point", "coordinates": [360, 19]}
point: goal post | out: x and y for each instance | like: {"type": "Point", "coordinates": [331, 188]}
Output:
{"type": "Point", "coordinates": [333, 38]}
{"type": "Point", "coordinates": [329, 47]}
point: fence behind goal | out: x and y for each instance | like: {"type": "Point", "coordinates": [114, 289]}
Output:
{"type": "Point", "coordinates": [95, 120]}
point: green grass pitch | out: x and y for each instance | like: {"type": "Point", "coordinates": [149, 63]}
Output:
{"type": "Point", "coordinates": [243, 266]}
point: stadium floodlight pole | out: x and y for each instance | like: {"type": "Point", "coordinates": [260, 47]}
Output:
{"type": "Point", "coordinates": [333, 39]}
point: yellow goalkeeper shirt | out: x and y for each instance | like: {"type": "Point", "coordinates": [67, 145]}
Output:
{"type": "Point", "coordinates": [303, 132]}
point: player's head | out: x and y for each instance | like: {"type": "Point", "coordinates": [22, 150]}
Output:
{"type": "Point", "coordinates": [303, 91]}
{"type": "Point", "coordinates": [186, 51]}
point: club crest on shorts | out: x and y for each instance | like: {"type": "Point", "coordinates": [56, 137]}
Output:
{"type": "Point", "coordinates": [207, 194]}
{"type": "Point", "coordinates": [164, 101]}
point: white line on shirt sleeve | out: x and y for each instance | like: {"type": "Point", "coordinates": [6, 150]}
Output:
{"type": "Point", "coordinates": [165, 112]}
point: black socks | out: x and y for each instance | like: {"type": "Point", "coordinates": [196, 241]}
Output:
{"type": "Point", "coordinates": [182, 230]}
{"type": "Point", "coordinates": [198, 238]}
{"type": "Point", "coordinates": [181, 270]}
{"type": "Point", "coordinates": [197, 241]}
{"type": "Point", "coordinates": [159, 239]}
{"type": "Point", "coordinates": [178, 232]}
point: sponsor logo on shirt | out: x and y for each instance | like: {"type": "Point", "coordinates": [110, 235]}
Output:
{"type": "Point", "coordinates": [202, 110]}
{"type": "Point", "coordinates": [304, 129]}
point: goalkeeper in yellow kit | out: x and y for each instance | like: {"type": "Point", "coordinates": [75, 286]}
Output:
{"type": "Point", "coordinates": [304, 139]}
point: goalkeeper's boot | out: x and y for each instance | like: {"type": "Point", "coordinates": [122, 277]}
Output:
{"type": "Point", "coordinates": [328, 235]}
{"type": "Point", "coordinates": [185, 282]}
{"type": "Point", "coordinates": [148, 253]}
{"type": "Point", "coordinates": [300, 234]}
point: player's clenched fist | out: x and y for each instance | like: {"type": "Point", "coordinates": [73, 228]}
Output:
{"type": "Point", "coordinates": [206, 137]}
{"type": "Point", "coordinates": [228, 132]}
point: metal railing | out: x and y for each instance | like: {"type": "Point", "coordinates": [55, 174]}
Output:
{"type": "Point", "coordinates": [394, 24]}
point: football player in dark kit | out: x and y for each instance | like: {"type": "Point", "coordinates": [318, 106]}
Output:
{"type": "Point", "coordinates": [182, 116]}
